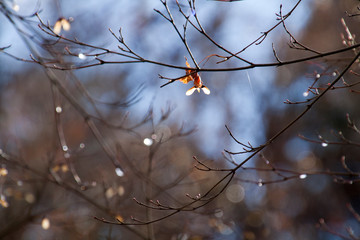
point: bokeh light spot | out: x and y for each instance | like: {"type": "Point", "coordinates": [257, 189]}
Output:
{"type": "Point", "coordinates": [235, 193]}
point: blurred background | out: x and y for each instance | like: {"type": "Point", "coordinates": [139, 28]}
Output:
{"type": "Point", "coordinates": [79, 144]}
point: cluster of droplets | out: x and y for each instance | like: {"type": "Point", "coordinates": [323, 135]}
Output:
{"type": "Point", "coordinates": [317, 76]}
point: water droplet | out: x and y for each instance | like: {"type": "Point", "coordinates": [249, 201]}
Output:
{"type": "Point", "coordinates": [82, 56]}
{"type": "Point", "coordinates": [324, 144]}
{"type": "Point", "coordinates": [58, 109]}
{"type": "Point", "coordinates": [318, 75]}
{"type": "Point", "coordinates": [260, 182]}
{"type": "Point", "coordinates": [66, 155]}
{"type": "Point", "coordinates": [3, 171]}
{"type": "Point", "coordinates": [82, 145]}
{"type": "Point", "coordinates": [65, 148]}
{"type": "Point", "coordinates": [148, 141]}
{"type": "Point", "coordinates": [267, 162]}
{"type": "Point", "coordinates": [119, 172]}
{"type": "Point", "coordinates": [334, 74]}
{"type": "Point", "coordinates": [303, 176]}
{"type": "Point", "coordinates": [305, 94]}
{"type": "Point", "coordinates": [15, 7]}
{"type": "Point", "coordinates": [45, 223]}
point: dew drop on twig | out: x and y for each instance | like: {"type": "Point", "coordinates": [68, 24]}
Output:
{"type": "Point", "coordinates": [82, 56]}
{"type": "Point", "coordinates": [65, 148]}
{"type": "Point", "coordinates": [119, 172]}
{"type": "Point", "coordinates": [15, 7]}
{"type": "Point", "coordinates": [58, 109]}
{"type": "Point", "coordinates": [303, 176]}
{"type": "Point", "coordinates": [3, 172]}
{"type": "Point", "coordinates": [148, 142]}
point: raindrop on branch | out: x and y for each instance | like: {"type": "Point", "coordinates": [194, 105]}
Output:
{"type": "Point", "coordinates": [119, 172]}
{"type": "Point", "coordinates": [82, 56]}
{"type": "Point", "coordinates": [65, 148]}
{"type": "Point", "coordinates": [15, 7]}
{"type": "Point", "coordinates": [3, 172]}
{"type": "Point", "coordinates": [58, 109]}
{"type": "Point", "coordinates": [303, 176]}
{"type": "Point", "coordinates": [148, 142]}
